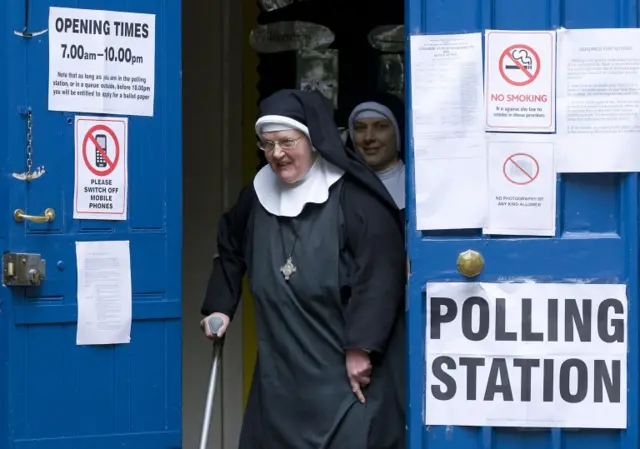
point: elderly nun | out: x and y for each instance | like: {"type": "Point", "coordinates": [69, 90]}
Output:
{"type": "Point", "coordinates": [321, 241]}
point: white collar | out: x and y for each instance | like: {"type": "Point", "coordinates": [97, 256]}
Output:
{"type": "Point", "coordinates": [286, 200]}
{"type": "Point", "coordinates": [393, 179]}
{"type": "Point", "coordinates": [392, 171]}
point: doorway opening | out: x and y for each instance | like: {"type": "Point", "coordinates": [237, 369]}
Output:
{"type": "Point", "coordinates": [224, 78]}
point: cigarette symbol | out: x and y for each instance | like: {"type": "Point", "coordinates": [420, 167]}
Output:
{"type": "Point", "coordinates": [521, 56]}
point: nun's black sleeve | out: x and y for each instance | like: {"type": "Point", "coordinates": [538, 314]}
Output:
{"type": "Point", "coordinates": [376, 244]}
{"type": "Point", "coordinates": [225, 282]}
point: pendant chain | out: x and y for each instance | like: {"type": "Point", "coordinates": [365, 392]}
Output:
{"type": "Point", "coordinates": [288, 268]}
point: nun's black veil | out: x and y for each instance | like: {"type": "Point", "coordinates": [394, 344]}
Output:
{"type": "Point", "coordinates": [314, 110]}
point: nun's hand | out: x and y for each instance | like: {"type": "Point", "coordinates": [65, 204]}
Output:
{"type": "Point", "coordinates": [223, 329]}
{"type": "Point", "coordinates": [359, 371]}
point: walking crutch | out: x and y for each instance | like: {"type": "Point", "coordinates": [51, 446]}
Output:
{"type": "Point", "coordinates": [214, 324]}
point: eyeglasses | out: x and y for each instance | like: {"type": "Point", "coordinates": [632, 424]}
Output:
{"type": "Point", "coordinates": [286, 144]}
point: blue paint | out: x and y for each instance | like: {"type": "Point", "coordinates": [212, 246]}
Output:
{"type": "Point", "coordinates": [596, 240]}
{"type": "Point", "coordinates": [54, 394]}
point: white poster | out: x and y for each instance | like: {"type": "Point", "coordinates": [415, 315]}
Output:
{"type": "Point", "coordinates": [521, 181]}
{"type": "Point", "coordinates": [448, 133]}
{"type": "Point", "coordinates": [526, 355]}
{"type": "Point", "coordinates": [520, 79]}
{"type": "Point", "coordinates": [101, 159]}
{"type": "Point", "coordinates": [598, 100]}
{"type": "Point", "coordinates": [101, 61]}
{"type": "Point", "coordinates": [104, 293]}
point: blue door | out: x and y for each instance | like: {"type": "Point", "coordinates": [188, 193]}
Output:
{"type": "Point", "coordinates": [596, 238]}
{"type": "Point", "coordinates": [54, 394]}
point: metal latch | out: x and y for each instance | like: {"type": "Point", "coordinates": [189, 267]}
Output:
{"type": "Point", "coordinates": [23, 269]}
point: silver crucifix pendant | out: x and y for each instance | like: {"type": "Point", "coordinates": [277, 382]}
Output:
{"type": "Point", "coordinates": [288, 268]}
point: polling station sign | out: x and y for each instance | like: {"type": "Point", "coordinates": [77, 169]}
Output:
{"type": "Point", "coordinates": [526, 355]}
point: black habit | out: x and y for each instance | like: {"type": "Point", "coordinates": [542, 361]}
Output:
{"type": "Point", "coordinates": [348, 292]}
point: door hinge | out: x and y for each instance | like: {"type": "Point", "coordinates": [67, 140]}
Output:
{"type": "Point", "coordinates": [25, 31]}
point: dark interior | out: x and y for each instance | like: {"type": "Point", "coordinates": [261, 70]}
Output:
{"type": "Point", "coordinates": [350, 21]}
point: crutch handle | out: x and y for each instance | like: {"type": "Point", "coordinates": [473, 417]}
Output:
{"type": "Point", "coordinates": [214, 323]}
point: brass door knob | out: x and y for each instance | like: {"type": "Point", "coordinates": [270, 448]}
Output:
{"type": "Point", "coordinates": [48, 217]}
{"type": "Point", "coordinates": [470, 263]}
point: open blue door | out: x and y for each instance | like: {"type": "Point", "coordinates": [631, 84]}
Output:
{"type": "Point", "coordinates": [596, 239]}
{"type": "Point", "coordinates": [53, 393]}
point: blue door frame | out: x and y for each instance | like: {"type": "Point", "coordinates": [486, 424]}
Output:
{"type": "Point", "coordinates": [596, 238]}
{"type": "Point", "coordinates": [54, 394]}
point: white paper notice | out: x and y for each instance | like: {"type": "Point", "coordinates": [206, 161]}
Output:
{"type": "Point", "coordinates": [448, 132]}
{"type": "Point", "coordinates": [520, 81]}
{"type": "Point", "coordinates": [104, 293]}
{"type": "Point", "coordinates": [101, 61]}
{"type": "Point", "coordinates": [101, 159]}
{"type": "Point", "coordinates": [526, 355]}
{"type": "Point", "coordinates": [598, 100]}
{"type": "Point", "coordinates": [522, 185]}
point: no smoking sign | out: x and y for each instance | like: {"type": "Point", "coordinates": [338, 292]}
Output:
{"type": "Point", "coordinates": [519, 65]}
{"type": "Point", "coordinates": [520, 81]}
{"type": "Point", "coordinates": [101, 168]}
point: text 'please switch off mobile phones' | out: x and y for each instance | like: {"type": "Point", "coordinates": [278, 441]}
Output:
{"type": "Point", "coordinates": [101, 139]}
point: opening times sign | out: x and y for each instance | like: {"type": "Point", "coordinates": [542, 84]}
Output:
{"type": "Point", "coordinates": [101, 61]}
{"type": "Point", "coordinates": [526, 355]}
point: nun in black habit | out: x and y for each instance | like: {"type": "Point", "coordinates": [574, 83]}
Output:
{"type": "Point", "coordinates": [321, 241]}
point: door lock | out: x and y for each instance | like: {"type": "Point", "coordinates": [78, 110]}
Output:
{"type": "Point", "coordinates": [23, 269]}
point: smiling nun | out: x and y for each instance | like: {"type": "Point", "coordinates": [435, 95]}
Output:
{"type": "Point", "coordinates": [321, 241]}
